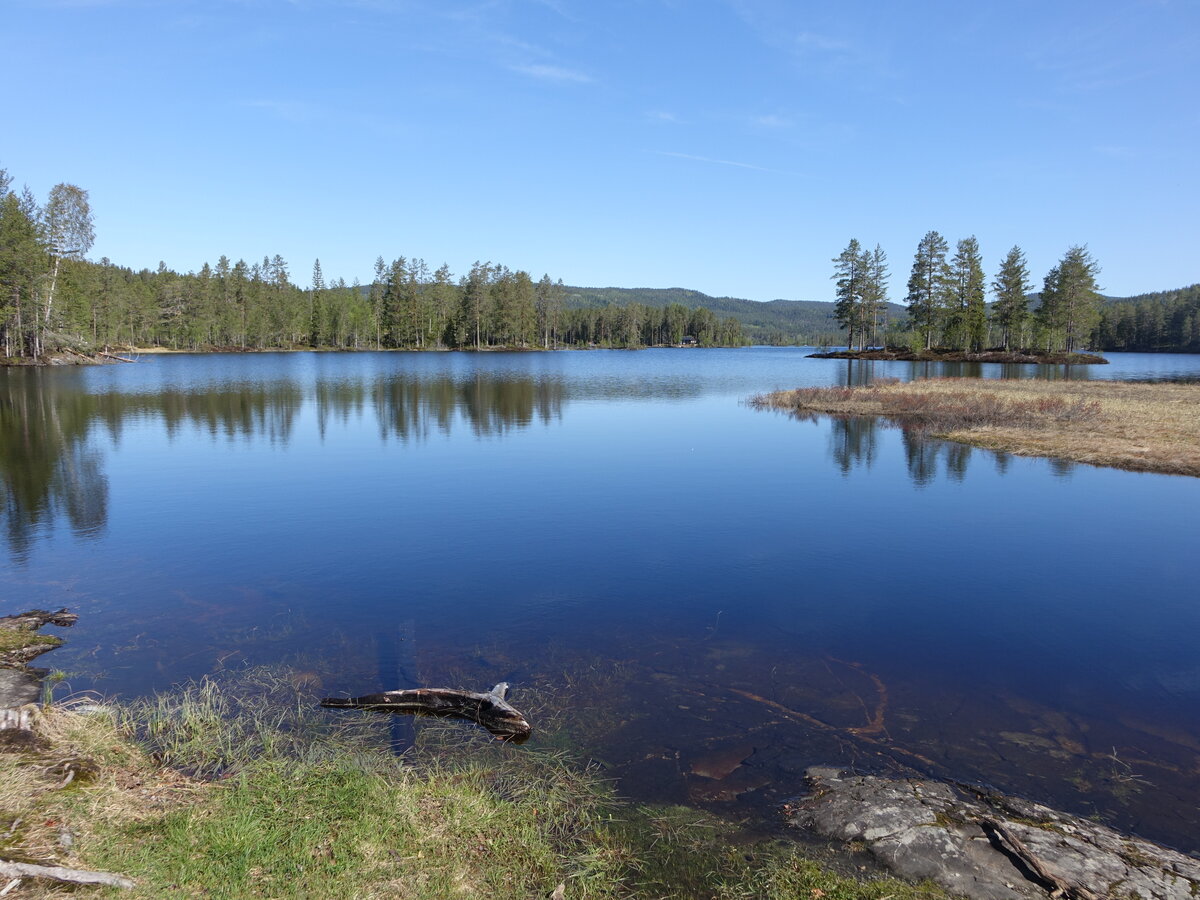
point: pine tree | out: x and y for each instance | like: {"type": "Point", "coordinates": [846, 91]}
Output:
{"type": "Point", "coordinates": [874, 298]}
{"type": "Point", "coordinates": [524, 314]}
{"type": "Point", "coordinates": [21, 255]}
{"type": "Point", "coordinates": [442, 296]}
{"type": "Point", "coordinates": [1070, 299]}
{"type": "Point", "coordinates": [927, 285]}
{"type": "Point", "coordinates": [850, 270]}
{"type": "Point", "coordinates": [375, 298]}
{"type": "Point", "coordinates": [967, 310]}
{"type": "Point", "coordinates": [476, 309]}
{"type": "Point", "coordinates": [316, 304]}
{"type": "Point", "coordinates": [549, 311]}
{"type": "Point", "coordinates": [1011, 289]}
{"type": "Point", "coordinates": [391, 311]}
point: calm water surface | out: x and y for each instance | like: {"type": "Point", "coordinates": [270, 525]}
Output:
{"type": "Point", "coordinates": [664, 574]}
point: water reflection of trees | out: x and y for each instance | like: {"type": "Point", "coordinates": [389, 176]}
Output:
{"type": "Point", "coordinates": [410, 408]}
{"type": "Point", "coordinates": [51, 468]}
{"type": "Point", "coordinates": [854, 443]}
{"type": "Point", "coordinates": [47, 469]}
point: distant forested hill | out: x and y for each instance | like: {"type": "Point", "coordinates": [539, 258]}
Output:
{"type": "Point", "coordinates": [1160, 321]}
{"type": "Point", "coordinates": [773, 322]}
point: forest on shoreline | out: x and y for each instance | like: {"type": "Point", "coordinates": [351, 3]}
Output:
{"type": "Point", "coordinates": [53, 299]}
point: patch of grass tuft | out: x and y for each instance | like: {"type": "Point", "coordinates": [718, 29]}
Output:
{"type": "Point", "coordinates": [20, 638]}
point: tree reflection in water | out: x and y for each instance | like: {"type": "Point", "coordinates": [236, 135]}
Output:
{"type": "Point", "coordinates": [51, 467]}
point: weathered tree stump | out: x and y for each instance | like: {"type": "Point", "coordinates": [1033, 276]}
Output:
{"type": "Point", "coordinates": [489, 709]}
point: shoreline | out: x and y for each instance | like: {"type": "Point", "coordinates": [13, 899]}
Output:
{"type": "Point", "coordinates": [72, 358]}
{"type": "Point", "coordinates": [1139, 427]}
{"type": "Point", "coordinates": [239, 785]}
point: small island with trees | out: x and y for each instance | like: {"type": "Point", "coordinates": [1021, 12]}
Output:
{"type": "Point", "coordinates": [947, 311]}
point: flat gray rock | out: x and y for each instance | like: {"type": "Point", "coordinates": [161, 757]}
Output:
{"type": "Point", "coordinates": [987, 846]}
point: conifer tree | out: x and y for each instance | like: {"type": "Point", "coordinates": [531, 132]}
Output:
{"type": "Point", "coordinates": [477, 302]}
{"type": "Point", "coordinates": [549, 309]}
{"type": "Point", "coordinates": [21, 256]}
{"type": "Point", "coordinates": [316, 301]}
{"type": "Point", "coordinates": [1070, 298]}
{"type": "Point", "coordinates": [875, 293]}
{"type": "Point", "coordinates": [927, 285]}
{"type": "Point", "coordinates": [1011, 289]}
{"type": "Point", "coordinates": [967, 309]}
{"type": "Point", "coordinates": [850, 270]}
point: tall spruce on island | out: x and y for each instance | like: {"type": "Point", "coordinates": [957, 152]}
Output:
{"type": "Point", "coordinates": [1070, 300]}
{"type": "Point", "coordinates": [966, 325]}
{"type": "Point", "coordinates": [1012, 287]}
{"type": "Point", "coordinates": [927, 285]}
{"type": "Point", "coordinates": [861, 293]}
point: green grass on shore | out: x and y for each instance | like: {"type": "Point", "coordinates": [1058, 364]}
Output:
{"type": "Point", "coordinates": [295, 803]}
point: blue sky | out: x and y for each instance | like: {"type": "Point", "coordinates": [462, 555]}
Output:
{"type": "Point", "coordinates": [731, 146]}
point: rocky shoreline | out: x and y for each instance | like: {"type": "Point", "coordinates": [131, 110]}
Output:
{"type": "Point", "coordinates": [985, 845]}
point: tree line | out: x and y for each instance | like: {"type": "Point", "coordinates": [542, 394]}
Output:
{"type": "Point", "coordinates": [52, 298]}
{"type": "Point", "coordinates": [1167, 320]}
{"type": "Point", "coordinates": [947, 299]}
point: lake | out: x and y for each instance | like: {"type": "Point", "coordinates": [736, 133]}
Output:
{"type": "Point", "coordinates": [665, 575]}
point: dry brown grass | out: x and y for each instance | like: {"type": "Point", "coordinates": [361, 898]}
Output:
{"type": "Point", "coordinates": [1141, 427]}
{"type": "Point", "coordinates": [77, 774]}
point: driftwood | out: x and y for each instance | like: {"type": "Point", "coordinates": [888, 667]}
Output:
{"type": "Point", "coordinates": [490, 710]}
{"type": "Point", "coordinates": [58, 873]}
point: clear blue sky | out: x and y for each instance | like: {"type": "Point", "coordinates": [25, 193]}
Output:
{"type": "Point", "coordinates": [732, 146]}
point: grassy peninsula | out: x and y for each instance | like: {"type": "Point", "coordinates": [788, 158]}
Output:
{"type": "Point", "coordinates": [1140, 427]}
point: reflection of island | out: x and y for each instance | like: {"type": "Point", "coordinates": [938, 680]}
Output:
{"type": "Point", "coordinates": [861, 371]}
{"type": "Point", "coordinates": [854, 443]}
{"type": "Point", "coordinates": [1006, 357]}
{"type": "Point", "coordinates": [51, 469]}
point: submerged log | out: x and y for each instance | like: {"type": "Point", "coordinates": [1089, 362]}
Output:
{"type": "Point", "coordinates": [490, 710]}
